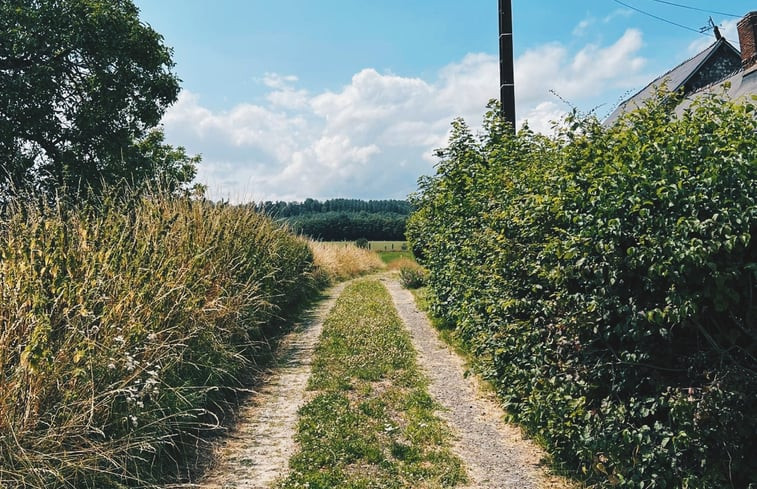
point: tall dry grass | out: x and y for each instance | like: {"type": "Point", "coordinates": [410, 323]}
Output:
{"type": "Point", "coordinates": [124, 324]}
{"type": "Point", "coordinates": [342, 261]}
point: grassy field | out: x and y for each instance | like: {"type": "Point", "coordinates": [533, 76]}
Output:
{"type": "Point", "coordinates": [388, 246]}
{"type": "Point", "coordinates": [371, 422]}
{"type": "Point", "coordinates": [388, 251]}
{"type": "Point", "coordinates": [381, 246]}
{"type": "Point", "coordinates": [343, 260]}
{"type": "Point", "coordinates": [390, 257]}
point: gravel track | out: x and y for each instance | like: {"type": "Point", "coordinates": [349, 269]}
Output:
{"type": "Point", "coordinates": [256, 452]}
{"type": "Point", "coordinates": [495, 453]}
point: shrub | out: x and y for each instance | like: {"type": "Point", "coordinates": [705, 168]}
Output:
{"type": "Point", "coordinates": [413, 276]}
{"type": "Point", "coordinates": [362, 243]}
{"type": "Point", "coordinates": [124, 324]}
{"type": "Point", "coordinates": [604, 277]}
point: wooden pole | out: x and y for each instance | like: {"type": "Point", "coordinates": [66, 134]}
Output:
{"type": "Point", "coordinates": [506, 69]}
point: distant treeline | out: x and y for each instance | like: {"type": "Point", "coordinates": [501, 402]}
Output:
{"type": "Point", "coordinates": [344, 219]}
{"type": "Point", "coordinates": [282, 209]}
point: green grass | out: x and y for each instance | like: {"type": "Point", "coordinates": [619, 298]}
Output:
{"type": "Point", "coordinates": [388, 251]}
{"type": "Point", "coordinates": [383, 246]}
{"type": "Point", "coordinates": [391, 256]}
{"type": "Point", "coordinates": [371, 422]}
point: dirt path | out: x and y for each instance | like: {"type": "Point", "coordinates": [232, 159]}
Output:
{"type": "Point", "coordinates": [494, 452]}
{"type": "Point", "coordinates": [257, 450]}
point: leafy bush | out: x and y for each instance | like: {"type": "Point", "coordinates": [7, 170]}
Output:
{"type": "Point", "coordinates": [413, 276]}
{"type": "Point", "coordinates": [122, 327]}
{"type": "Point", "coordinates": [362, 243]}
{"type": "Point", "coordinates": [605, 277]}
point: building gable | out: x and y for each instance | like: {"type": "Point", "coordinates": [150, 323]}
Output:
{"type": "Point", "coordinates": [719, 65]}
{"type": "Point", "coordinates": [714, 63]}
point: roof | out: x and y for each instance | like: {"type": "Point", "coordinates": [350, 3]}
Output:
{"type": "Point", "coordinates": [739, 87]}
{"type": "Point", "coordinates": [674, 79]}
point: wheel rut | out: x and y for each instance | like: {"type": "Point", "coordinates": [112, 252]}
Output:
{"type": "Point", "coordinates": [495, 453]}
{"type": "Point", "coordinates": [256, 451]}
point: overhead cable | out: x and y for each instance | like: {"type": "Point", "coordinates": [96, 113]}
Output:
{"type": "Point", "coordinates": [698, 31]}
{"type": "Point", "coordinates": [695, 8]}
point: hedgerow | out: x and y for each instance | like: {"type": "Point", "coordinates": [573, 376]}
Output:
{"type": "Point", "coordinates": [605, 280]}
{"type": "Point", "coordinates": [125, 325]}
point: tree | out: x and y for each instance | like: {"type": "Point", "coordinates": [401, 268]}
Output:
{"type": "Point", "coordinates": [168, 167]}
{"type": "Point", "coordinates": [82, 83]}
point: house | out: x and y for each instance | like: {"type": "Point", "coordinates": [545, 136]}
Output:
{"type": "Point", "coordinates": [721, 62]}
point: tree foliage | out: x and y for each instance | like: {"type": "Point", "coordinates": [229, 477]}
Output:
{"type": "Point", "coordinates": [82, 82]}
{"type": "Point", "coordinates": [350, 226]}
{"type": "Point", "coordinates": [605, 278]}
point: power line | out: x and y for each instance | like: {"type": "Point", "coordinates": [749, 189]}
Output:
{"type": "Point", "coordinates": [698, 9]}
{"type": "Point", "coordinates": [698, 31]}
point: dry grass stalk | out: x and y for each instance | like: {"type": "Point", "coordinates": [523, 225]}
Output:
{"type": "Point", "coordinates": [122, 325]}
{"type": "Point", "coordinates": [342, 261]}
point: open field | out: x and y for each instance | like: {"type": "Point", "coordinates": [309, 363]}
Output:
{"type": "Point", "coordinates": [380, 245]}
{"type": "Point", "coordinates": [394, 259]}
{"type": "Point", "coordinates": [388, 246]}
{"type": "Point", "coordinates": [343, 260]}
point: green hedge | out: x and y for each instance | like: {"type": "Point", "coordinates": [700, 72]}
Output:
{"type": "Point", "coordinates": [124, 326]}
{"type": "Point", "coordinates": [605, 279]}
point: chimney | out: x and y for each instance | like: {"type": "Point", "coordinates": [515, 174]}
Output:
{"type": "Point", "coordinates": [747, 28]}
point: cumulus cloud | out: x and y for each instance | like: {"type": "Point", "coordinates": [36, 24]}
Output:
{"type": "Point", "coordinates": [592, 69]}
{"type": "Point", "coordinates": [374, 137]}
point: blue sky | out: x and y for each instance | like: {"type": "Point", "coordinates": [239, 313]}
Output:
{"type": "Point", "coordinates": [288, 99]}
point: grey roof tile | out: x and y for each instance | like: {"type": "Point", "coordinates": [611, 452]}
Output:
{"type": "Point", "coordinates": [674, 80]}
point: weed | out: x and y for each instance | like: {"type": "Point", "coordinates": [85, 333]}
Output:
{"type": "Point", "coordinates": [413, 276]}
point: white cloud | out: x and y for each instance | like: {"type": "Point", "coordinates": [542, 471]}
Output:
{"type": "Point", "coordinates": [541, 117]}
{"type": "Point", "coordinates": [376, 135]}
{"type": "Point", "coordinates": [334, 151]}
{"type": "Point", "coordinates": [591, 70]}
{"type": "Point", "coordinates": [289, 98]}
{"type": "Point", "coordinates": [621, 12]}
{"type": "Point", "coordinates": [274, 80]}
{"type": "Point", "coordinates": [581, 27]}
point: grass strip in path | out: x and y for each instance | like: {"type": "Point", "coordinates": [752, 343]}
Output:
{"type": "Point", "coordinates": [370, 422]}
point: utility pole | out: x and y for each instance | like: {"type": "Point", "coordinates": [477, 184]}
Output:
{"type": "Point", "coordinates": [506, 71]}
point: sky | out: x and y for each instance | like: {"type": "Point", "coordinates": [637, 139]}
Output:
{"type": "Point", "coordinates": [290, 99]}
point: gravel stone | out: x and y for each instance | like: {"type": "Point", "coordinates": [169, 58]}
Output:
{"type": "Point", "coordinates": [257, 450]}
{"type": "Point", "coordinates": [495, 453]}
